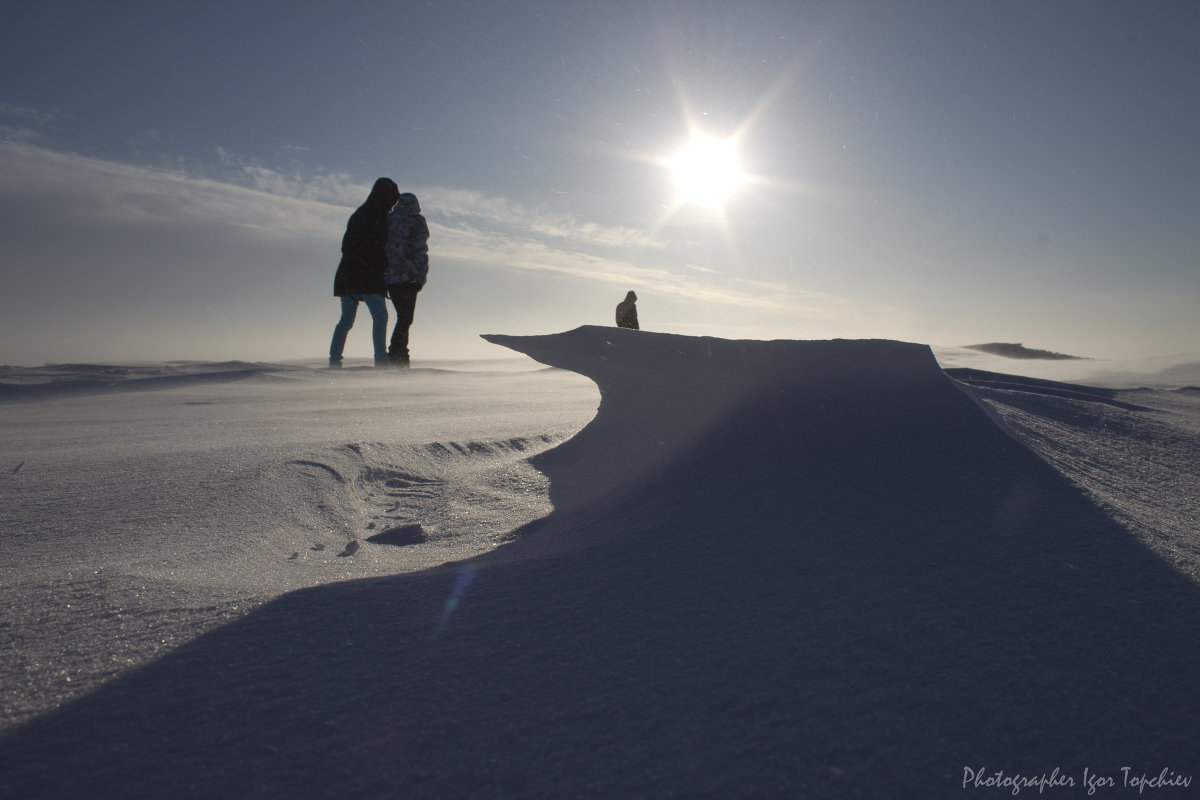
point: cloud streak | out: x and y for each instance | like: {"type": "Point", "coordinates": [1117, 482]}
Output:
{"type": "Point", "coordinates": [482, 211]}
{"type": "Point", "coordinates": [77, 190]}
{"type": "Point", "coordinates": [33, 115]}
{"type": "Point", "coordinates": [469, 226]}
{"type": "Point", "coordinates": [27, 124]}
{"type": "Point", "coordinates": [521, 254]}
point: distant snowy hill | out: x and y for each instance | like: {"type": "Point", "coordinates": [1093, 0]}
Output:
{"type": "Point", "coordinates": [1018, 351]}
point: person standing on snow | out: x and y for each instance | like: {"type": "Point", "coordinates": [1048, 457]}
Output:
{"type": "Point", "coordinates": [360, 275]}
{"type": "Point", "coordinates": [408, 266]}
{"type": "Point", "coordinates": [627, 312]}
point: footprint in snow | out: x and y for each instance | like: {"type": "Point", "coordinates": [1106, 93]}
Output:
{"type": "Point", "coordinates": [351, 549]}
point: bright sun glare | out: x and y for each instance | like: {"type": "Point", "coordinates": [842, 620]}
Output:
{"type": "Point", "coordinates": [706, 171]}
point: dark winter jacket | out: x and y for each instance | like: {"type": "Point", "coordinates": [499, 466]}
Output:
{"type": "Point", "coordinates": [408, 243]}
{"type": "Point", "coordinates": [627, 312]}
{"type": "Point", "coordinates": [364, 247]}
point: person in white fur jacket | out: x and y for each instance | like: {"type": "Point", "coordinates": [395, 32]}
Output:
{"type": "Point", "coordinates": [408, 267]}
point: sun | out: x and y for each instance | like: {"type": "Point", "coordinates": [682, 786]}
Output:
{"type": "Point", "coordinates": [707, 171]}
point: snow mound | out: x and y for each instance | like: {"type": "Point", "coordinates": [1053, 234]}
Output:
{"type": "Point", "coordinates": [1018, 350]}
{"type": "Point", "coordinates": [749, 409]}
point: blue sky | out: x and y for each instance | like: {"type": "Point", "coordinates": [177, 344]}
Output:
{"type": "Point", "coordinates": [175, 177]}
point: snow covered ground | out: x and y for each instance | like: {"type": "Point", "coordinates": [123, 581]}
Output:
{"type": "Point", "coordinates": [825, 569]}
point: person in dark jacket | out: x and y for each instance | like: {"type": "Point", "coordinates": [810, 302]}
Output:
{"type": "Point", "coordinates": [627, 312]}
{"type": "Point", "coordinates": [408, 266]}
{"type": "Point", "coordinates": [360, 274]}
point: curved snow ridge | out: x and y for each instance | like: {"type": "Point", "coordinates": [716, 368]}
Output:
{"type": "Point", "coordinates": [490, 447]}
{"type": "Point", "coordinates": [470, 494]}
{"type": "Point", "coordinates": [372, 461]}
{"type": "Point", "coordinates": [744, 411]}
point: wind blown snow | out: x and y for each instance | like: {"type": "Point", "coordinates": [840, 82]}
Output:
{"type": "Point", "coordinates": [829, 569]}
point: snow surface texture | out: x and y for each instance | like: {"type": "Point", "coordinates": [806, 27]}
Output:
{"type": "Point", "coordinates": [142, 505]}
{"type": "Point", "coordinates": [820, 569]}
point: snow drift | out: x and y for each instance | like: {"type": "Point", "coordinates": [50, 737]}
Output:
{"type": "Point", "coordinates": [773, 568]}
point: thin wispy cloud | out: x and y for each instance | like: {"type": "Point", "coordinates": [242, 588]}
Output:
{"type": "Point", "coordinates": [469, 227]}
{"type": "Point", "coordinates": [34, 115]}
{"type": "Point", "coordinates": [122, 194]}
{"type": "Point", "coordinates": [22, 124]}
{"type": "Point", "coordinates": [13, 133]}
{"type": "Point", "coordinates": [522, 254]}
{"type": "Point", "coordinates": [481, 209]}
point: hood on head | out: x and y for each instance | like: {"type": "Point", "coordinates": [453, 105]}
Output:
{"type": "Point", "coordinates": [385, 192]}
{"type": "Point", "coordinates": [631, 298]}
{"type": "Point", "coordinates": [408, 201]}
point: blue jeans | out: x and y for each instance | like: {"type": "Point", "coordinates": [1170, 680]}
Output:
{"type": "Point", "coordinates": [377, 305]}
